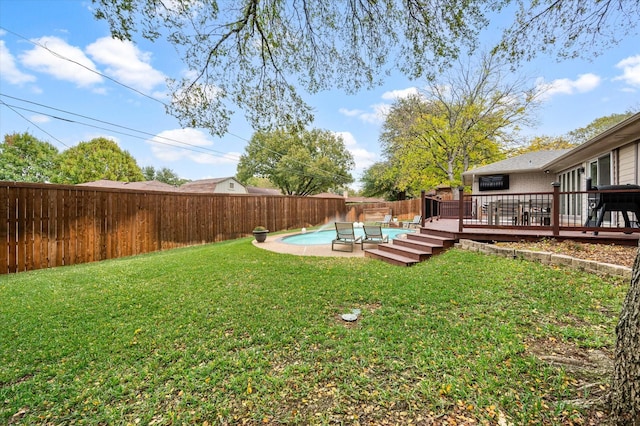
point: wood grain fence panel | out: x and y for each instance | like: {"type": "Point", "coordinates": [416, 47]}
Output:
{"type": "Point", "coordinates": [13, 229]}
{"type": "Point", "coordinates": [36, 194]}
{"type": "Point", "coordinates": [4, 229]}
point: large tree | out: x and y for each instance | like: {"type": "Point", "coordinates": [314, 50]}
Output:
{"type": "Point", "coordinates": [464, 118]}
{"type": "Point", "coordinates": [597, 126]}
{"type": "Point", "coordinates": [24, 158]}
{"type": "Point", "coordinates": [163, 174]}
{"type": "Point", "coordinates": [297, 162]}
{"type": "Point", "coordinates": [260, 56]}
{"type": "Point", "coordinates": [100, 158]}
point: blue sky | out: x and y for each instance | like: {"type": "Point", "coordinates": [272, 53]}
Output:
{"type": "Point", "coordinates": [34, 80]}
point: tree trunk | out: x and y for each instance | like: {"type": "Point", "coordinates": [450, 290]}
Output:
{"type": "Point", "coordinates": [625, 391]}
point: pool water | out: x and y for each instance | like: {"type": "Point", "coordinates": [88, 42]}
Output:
{"type": "Point", "coordinates": [325, 237]}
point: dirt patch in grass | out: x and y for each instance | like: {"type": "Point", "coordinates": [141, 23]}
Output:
{"type": "Point", "coordinates": [606, 253]}
{"type": "Point", "coordinates": [588, 373]}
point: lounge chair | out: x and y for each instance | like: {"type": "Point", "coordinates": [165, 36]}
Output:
{"type": "Point", "coordinates": [373, 235]}
{"type": "Point", "coordinates": [385, 221]}
{"type": "Point", "coordinates": [345, 235]}
{"type": "Point", "coordinates": [417, 221]}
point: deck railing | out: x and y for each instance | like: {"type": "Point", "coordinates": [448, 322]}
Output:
{"type": "Point", "coordinates": [589, 211]}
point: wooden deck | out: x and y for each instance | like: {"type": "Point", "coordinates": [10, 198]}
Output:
{"type": "Point", "coordinates": [513, 234]}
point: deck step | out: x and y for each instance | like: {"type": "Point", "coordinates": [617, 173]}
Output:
{"type": "Point", "coordinates": [432, 239]}
{"type": "Point", "coordinates": [409, 252]}
{"type": "Point", "coordinates": [391, 258]}
{"type": "Point", "coordinates": [419, 245]}
{"type": "Point", "coordinates": [440, 233]}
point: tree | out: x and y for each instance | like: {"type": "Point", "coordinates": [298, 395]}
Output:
{"type": "Point", "coordinates": [298, 163]}
{"type": "Point", "coordinates": [24, 158]}
{"type": "Point", "coordinates": [465, 118]}
{"type": "Point", "coordinates": [543, 143]}
{"type": "Point", "coordinates": [625, 391]}
{"type": "Point", "coordinates": [164, 175]}
{"type": "Point", "coordinates": [381, 180]}
{"type": "Point", "coordinates": [255, 56]}
{"type": "Point", "coordinates": [97, 159]}
{"type": "Point", "coordinates": [597, 126]}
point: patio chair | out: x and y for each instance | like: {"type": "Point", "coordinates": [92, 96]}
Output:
{"type": "Point", "coordinates": [345, 235]}
{"type": "Point", "coordinates": [385, 221]}
{"type": "Point", "coordinates": [373, 235]}
{"type": "Point", "coordinates": [417, 221]}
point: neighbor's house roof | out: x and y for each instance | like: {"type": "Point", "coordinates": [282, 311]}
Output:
{"type": "Point", "coordinates": [263, 191]}
{"type": "Point", "coordinates": [206, 185]}
{"type": "Point", "coordinates": [348, 199]}
{"type": "Point", "coordinates": [148, 185]}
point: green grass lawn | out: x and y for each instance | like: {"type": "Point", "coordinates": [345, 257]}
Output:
{"type": "Point", "coordinates": [229, 333]}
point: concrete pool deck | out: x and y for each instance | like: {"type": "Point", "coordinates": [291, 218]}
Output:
{"type": "Point", "coordinates": [274, 243]}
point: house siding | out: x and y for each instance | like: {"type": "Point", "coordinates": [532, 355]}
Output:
{"type": "Point", "coordinates": [522, 182]}
{"type": "Point", "coordinates": [628, 164]}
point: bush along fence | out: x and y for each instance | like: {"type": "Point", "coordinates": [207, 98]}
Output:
{"type": "Point", "coordinates": [44, 226]}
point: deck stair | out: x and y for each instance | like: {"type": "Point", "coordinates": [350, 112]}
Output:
{"type": "Point", "coordinates": [417, 247]}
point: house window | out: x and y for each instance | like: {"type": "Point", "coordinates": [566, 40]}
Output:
{"type": "Point", "coordinates": [600, 170]}
{"type": "Point", "coordinates": [493, 183]}
{"type": "Point", "coordinates": [570, 201]}
{"type": "Point", "coordinates": [231, 185]}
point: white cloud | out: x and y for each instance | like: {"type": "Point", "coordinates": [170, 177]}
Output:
{"type": "Point", "coordinates": [630, 70]}
{"type": "Point", "coordinates": [188, 144]}
{"type": "Point", "coordinates": [584, 83]}
{"type": "Point", "coordinates": [376, 115]}
{"type": "Point", "coordinates": [10, 71]}
{"type": "Point", "coordinates": [399, 94]}
{"type": "Point", "coordinates": [361, 156]}
{"type": "Point", "coordinates": [40, 118]}
{"type": "Point", "coordinates": [64, 64]}
{"type": "Point", "coordinates": [126, 63]}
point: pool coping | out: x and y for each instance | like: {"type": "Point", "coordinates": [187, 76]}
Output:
{"type": "Point", "coordinates": [274, 243]}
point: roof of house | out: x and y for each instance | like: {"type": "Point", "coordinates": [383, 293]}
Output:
{"type": "Point", "coordinates": [205, 185]}
{"type": "Point", "coordinates": [148, 185]}
{"type": "Point", "coordinates": [263, 191]}
{"type": "Point", "coordinates": [530, 161]}
{"type": "Point", "coordinates": [619, 135]}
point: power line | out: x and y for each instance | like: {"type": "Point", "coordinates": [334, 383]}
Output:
{"type": "Point", "coordinates": [33, 124]}
{"type": "Point", "coordinates": [115, 125]}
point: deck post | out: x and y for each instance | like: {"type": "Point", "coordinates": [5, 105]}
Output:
{"type": "Point", "coordinates": [423, 207]}
{"type": "Point", "coordinates": [460, 208]}
{"type": "Point", "coordinates": [555, 208]}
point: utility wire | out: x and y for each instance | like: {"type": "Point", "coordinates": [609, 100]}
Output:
{"type": "Point", "coordinates": [33, 124]}
{"type": "Point", "coordinates": [120, 84]}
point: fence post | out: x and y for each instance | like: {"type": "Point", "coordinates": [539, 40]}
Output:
{"type": "Point", "coordinates": [423, 206]}
{"type": "Point", "coordinates": [460, 208]}
{"type": "Point", "coordinates": [556, 208]}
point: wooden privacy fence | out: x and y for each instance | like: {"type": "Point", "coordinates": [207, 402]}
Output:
{"type": "Point", "coordinates": [403, 210]}
{"type": "Point", "coordinates": [44, 226]}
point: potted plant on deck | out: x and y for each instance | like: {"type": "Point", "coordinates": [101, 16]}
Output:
{"type": "Point", "coordinates": [260, 233]}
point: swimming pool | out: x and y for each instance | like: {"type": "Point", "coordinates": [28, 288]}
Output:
{"type": "Point", "coordinates": [325, 237]}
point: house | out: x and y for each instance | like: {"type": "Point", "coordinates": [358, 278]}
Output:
{"type": "Point", "coordinates": [149, 185]}
{"type": "Point", "coordinates": [610, 158]}
{"type": "Point", "coordinates": [225, 185]}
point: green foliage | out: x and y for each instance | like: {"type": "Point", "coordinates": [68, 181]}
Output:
{"type": "Point", "coordinates": [543, 143]}
{"type": "Point", "coordinates": [255, 56]}
{"type": "Point", "coordinates": [298, 163]}
{"type": "Point", "coordinates": [463, 119]}
{"type": "Point", "coordinates": [97, 159]}
{"type": "Point", "coordinates": [164, 175]}
{"type": "Point", "coordinates": [597, 126]}
{"type": "Point", "coordinates": [24, 158]}
{"type": "Point", "coordinates": [381, 180]}
{"type": "Point", "coordinates": [229, 333]}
